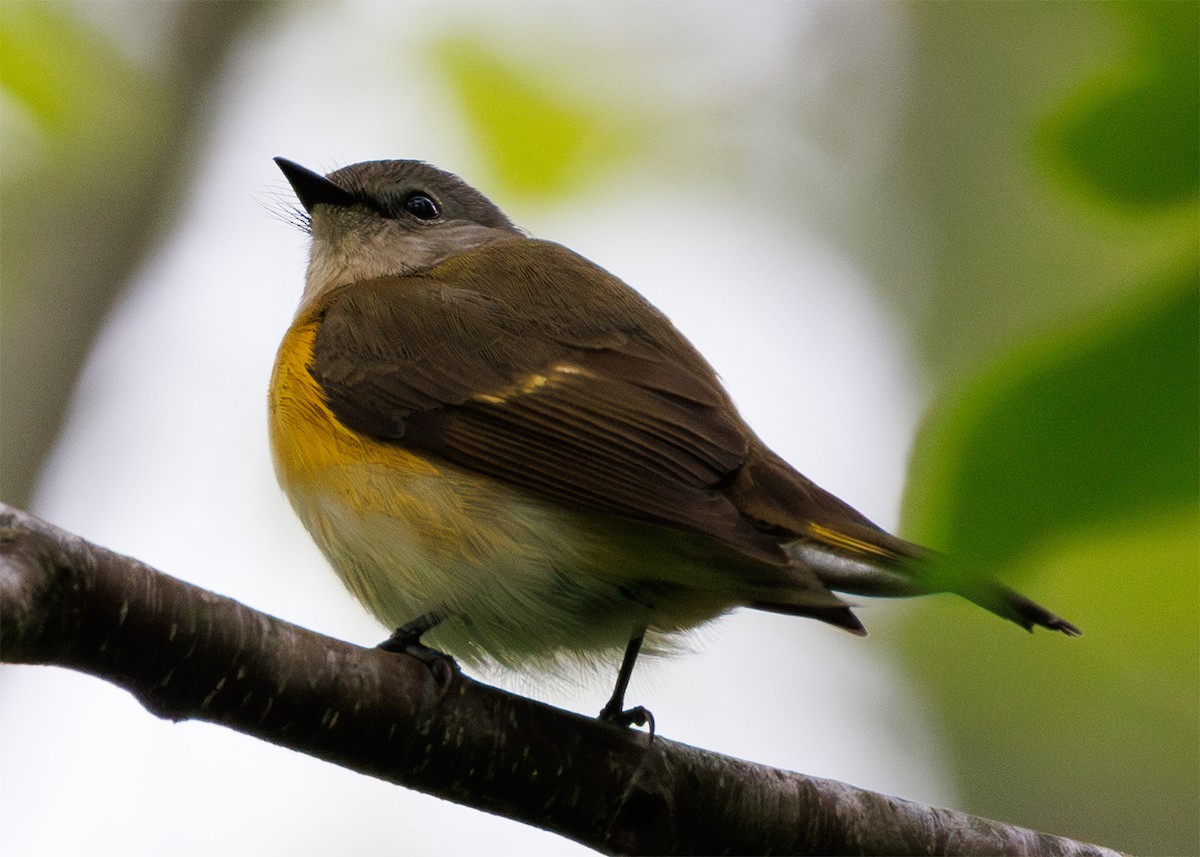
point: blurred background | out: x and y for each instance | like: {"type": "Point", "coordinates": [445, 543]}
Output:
{"type": "Point", "coordinates": [943, 255]}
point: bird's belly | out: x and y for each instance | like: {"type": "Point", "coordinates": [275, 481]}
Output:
{"type": "Point", "coordinates": [517, 579]}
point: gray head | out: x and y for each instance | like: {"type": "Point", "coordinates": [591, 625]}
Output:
{"type": "Point", "coordinates": [380, 218]}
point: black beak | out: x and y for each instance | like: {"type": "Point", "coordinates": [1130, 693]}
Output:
{"type": "Point", "coordinates": [313, 188]}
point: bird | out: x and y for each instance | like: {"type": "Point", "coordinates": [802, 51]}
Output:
{"type": "Point", "coordinates": [511, 457]}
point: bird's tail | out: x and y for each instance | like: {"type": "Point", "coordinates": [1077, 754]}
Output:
{"type": "Point", "coordinates": [1015, 607]}
{"type": "Point", "coordinates": [859, 559]}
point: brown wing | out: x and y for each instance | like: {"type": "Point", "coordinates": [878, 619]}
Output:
{"type": "Point", "coordinates": [595, 399]}
{"type": "Point", "coordinates": [607, 407]}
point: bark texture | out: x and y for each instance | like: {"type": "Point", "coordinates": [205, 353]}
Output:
{"type": "Point", "coordinates": [188, 653]}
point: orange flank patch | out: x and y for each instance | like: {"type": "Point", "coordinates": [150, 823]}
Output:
{"type": "Point", "coordinates": [307, 439]}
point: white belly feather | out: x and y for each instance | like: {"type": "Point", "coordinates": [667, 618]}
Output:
{"type": "Point", "coordinates": [518, 580]}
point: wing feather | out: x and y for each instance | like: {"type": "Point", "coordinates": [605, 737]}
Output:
{"type": "Point", "coordinates": [608, 409]}
{"type": "Point", "coordinates": [612, 409]}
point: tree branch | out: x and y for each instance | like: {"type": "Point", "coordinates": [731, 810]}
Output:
{"type": "Point", "coordinates": [188, 653]}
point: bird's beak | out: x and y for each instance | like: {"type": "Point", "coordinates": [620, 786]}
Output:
{"type": "Point", "coordinates": [313, 188]}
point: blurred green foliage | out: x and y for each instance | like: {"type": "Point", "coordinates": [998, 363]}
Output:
{"type": "Point", "coordinates": [30, 36]}
{"type": "Point", "coordinates": [77, 118]}
{"type": "Point", "coordinates": [1130, 135]}
{"type": "Point", "coordinates": [1096, 737]}
{"type": "Point", "coordinates": [1067, 434]}
{"type": "Point", "coordinates": [1068, 458]}
{"type": "Point", "coordinates": [1020, 236]}
{"type": "Point", "coordinates": [76, 89]}
{"type": "Point", "coordinates": [538, 138]}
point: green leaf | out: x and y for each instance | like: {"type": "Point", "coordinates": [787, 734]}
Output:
{"type": "Point", "coordinates": [538, 138]}
{"type": "Point", "coordinates": [1097, 737]}
{"type": "Point", "coordinates": [1132, 134]}
{"type": "Point", "coordinates": [1065, 455]}
{"type": "Point", "coordinates": [63, 74]}
{"type": "Point", "coordinates": [1017, 245]}
{"type": "Point", "coordinates": [81, 122]}
{"type": "Point", "coordinates": [1072, 465]}
{"type": "Point", "coordinates": [1079, 430]}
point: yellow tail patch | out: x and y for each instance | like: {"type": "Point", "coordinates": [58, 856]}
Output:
{"type": "Point", "coordinates": [847, 543]}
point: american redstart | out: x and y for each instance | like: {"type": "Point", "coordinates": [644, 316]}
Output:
{"type": "Point", "coordinates": [502, 446]}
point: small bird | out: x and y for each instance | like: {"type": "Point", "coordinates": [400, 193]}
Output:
{"type": "Point", "coordinates": [503, 448]}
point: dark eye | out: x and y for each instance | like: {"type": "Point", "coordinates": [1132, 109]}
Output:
{"type": "Point", "coordinates": [421, 206]}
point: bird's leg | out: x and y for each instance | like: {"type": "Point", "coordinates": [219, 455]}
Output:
{"type": "Point", "coordinates": [615, 711]}
{"type": "Point", "coordinates": [406, 640]}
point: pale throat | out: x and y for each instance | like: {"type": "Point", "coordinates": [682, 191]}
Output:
{"type": "Point", "coordinates": [332, 264]}
{"type": "Point", "coordinates": [342, 259]}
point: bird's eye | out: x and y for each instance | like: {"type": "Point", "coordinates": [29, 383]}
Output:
{"type": "Point", "coordinates": [421, 206]}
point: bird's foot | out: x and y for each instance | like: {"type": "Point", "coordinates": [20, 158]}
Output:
{"type": "Point", "coordinates": [625, 717]}
{"type": "Point", "coordinates": [406, 640]}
